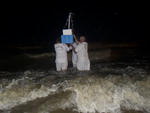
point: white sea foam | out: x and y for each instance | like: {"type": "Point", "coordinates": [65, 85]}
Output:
{"type": "Point", "coordinates": [14, 94]}
{"type": "Point", "coordinates": [89, 94]}
{"type": "Point", "coordinates": [102, 95]}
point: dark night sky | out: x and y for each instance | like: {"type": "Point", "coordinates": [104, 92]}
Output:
{"type": "Point", "coordinates": [33, 25]}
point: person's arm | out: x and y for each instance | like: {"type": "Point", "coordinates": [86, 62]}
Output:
{"type": "Point", "coordinates": [77, 49]}
{"type": "Point", "coordinates": [70, 47]}
{"type": "Point", "coordinates": [76, 40]}
{"type": "Point", "coordinates": [73, 48]}
{"type": "Point", "coordinates": [66, 47]}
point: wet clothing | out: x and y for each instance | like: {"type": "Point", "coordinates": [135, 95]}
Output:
{"type": "Point", "coordinates": [74, 56]}
{"type": "Point", "coordinates": [61, 66]}
{"type": "Point", "coordinates": [83, 62]}
{"type": "Point", "coordinates": [61, 56]}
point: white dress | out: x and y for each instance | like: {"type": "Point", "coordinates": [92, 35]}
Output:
{"type": "Point", "coordinates": [83, 62]}
{"type": "Point", "coordinates": [74, 56]}
{"type": "Point", "coordinates": [61, 56]}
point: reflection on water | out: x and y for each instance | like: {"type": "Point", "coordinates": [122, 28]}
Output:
{"type": "Point", "coordinates": [110, 87]}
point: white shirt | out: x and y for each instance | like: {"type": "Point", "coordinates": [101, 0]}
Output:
{"type": "Point", "coordinates": [74, 54]}
{"type": "Point", "coordinates": [61, 53]}
{"type": "Point", "coordinates": [83, 62]}
{"type": "Point", "coordinates": [82, 50]}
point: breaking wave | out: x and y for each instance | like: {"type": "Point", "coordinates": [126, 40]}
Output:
{"type": "Point", "coordinates": [103, 90]}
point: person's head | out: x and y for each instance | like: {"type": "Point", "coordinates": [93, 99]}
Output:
{"type": "Point", "coordinates": [82, 39]}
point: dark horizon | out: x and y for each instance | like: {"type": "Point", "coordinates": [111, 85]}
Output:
{"type": "Point", "coordinates": [42, 25]}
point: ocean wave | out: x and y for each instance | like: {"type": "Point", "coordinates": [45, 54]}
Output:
{"type": "Point", "coordinates": [86, 92]}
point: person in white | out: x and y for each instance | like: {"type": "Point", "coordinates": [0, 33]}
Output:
{"type": "Point", "coordinates": [74, 55]}
{"type": "Point", "coordinates": [61, 56]}
{"type": "Point", "coordinates": [83, 62]}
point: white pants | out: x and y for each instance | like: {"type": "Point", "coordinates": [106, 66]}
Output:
{"type": "Point", "coordinates": [61, 66]}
